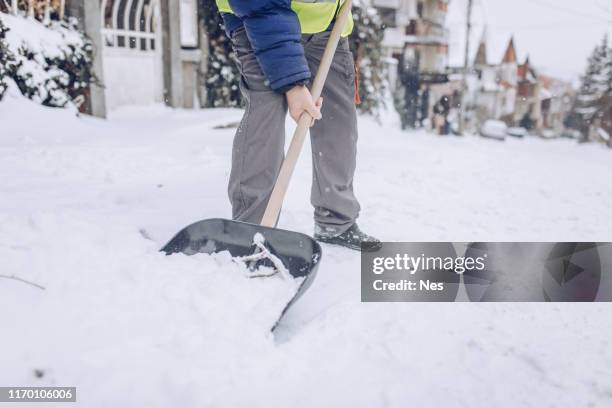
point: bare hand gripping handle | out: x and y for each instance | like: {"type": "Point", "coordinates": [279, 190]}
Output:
{"type": "Point", "coordinates": [282, 182]}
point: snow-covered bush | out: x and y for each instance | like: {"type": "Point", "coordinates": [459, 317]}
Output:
{"type": "Point", "coordinates": [221, 77]}
{"type": "Point", "coordinates": [366, 44]}
{"type": "Point", "coordinates": [6, 60]}
{"type": "Point", "coordinates": [51, 64]}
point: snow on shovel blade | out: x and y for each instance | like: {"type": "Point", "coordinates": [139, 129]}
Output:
{"type": "Point", "coordinates": [299, 253]}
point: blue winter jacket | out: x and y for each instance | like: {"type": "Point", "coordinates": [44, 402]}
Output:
{"type": "Point", "coordinates": [274, 31]}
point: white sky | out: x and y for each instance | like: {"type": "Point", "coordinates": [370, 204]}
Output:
{"type": "Point", "coordinates": [558, 35]}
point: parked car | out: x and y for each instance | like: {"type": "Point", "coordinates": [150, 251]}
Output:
{"type": "Point", "coordinates": [517, 132]}
{"type": "Point", "coordinates": [548, 134]}
{"type": "Point", "coordinates": [571, 134]}
{"type": "Point", "coordinates": [494, 129]}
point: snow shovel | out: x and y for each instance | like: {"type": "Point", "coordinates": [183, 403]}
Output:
{"type": "Point", "coordinates": [298, 253]}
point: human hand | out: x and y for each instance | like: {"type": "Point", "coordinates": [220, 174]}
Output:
{"type": "Point", "coordinates": [300, 100]}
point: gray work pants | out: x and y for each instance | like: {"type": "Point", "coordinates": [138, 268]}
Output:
{"type": "Point", "coordinates": [258, 149]}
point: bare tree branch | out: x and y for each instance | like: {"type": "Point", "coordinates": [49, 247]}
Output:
{"type": "Point", "coordinates": [17, 278]}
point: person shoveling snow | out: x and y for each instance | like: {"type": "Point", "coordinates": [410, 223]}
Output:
{"type": "Point", "coordinates": [278, 45]}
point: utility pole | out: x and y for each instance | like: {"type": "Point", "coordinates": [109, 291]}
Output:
{"type": "Point", "coordinates": [466, 63]}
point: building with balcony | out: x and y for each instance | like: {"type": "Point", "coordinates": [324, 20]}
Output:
{"type": "Point", "coordinates": [416, 46]}
{"type": "Point", "coordinates": [415, 30]}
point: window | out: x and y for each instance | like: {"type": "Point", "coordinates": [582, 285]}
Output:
{"type": "Point", "coordinates": [387, 16]}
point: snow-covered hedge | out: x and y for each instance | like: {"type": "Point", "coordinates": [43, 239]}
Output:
{"type": "Point", "coordinates": [221, 76]}
{"type": "Point", "coordinates": [366, 44]}
{"type": "Point", "coordinates": [6, 60]}
{"type": "Point", "coordinates": [51, 64]}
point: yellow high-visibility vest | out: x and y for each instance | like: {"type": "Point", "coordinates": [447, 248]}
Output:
{"type": "Point", "coordinates": [314, 15]}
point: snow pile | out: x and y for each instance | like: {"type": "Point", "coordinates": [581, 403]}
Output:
{"type": "Point", "coordinates": [50, 64]}
{"type": "Point", "coordinates": [114, 309]}
{"type": "Point", "coordinates": [86, 204]}
{"type": "Point", "coordinates": [115, 312]}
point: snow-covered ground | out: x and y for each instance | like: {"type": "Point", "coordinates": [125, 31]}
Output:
{"type": "Point", "coordinates": [85, 205]}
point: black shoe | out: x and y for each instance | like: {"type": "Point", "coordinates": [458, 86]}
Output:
{"type": "Point", "coordinates": [352, 238]}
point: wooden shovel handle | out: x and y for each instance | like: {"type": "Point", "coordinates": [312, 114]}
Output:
{"type": "Point", "coordinates": [282, 182]}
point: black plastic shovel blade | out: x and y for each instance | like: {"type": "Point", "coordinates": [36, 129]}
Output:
{"type": "Point", "coordinates": [299, 253]}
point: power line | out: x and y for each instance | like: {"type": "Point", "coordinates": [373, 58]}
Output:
{"type": "Point", "coordinates": [551, 26]}
{"type": "Point", "coordinates": [555, 25]}
{"type": "Point", "coordinates": [604, 8]}
{"type": "Point", "coordinates": [570, 10]}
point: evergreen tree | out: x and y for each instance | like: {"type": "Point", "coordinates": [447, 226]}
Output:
{"type": "Point", "coordinates": [221, 77]}
{"type": "Point", "coordinates": [366, 45]}
{"type": "Point", "coordinates": [606, 101]}
{"type": "Point", "coordinates": [608, 71]}
{"type": "Point", "coordinates": [592, 89]}
{"type": "Point", "coordinates": [600, 77]}
{"type": "Point", "coordinates": [6, 60]}
{"type": "Point", "coordinates": [592, 109]}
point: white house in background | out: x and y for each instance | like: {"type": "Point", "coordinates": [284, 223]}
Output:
{"type": "Point", "coordinates": [146, 51]}
{"type": "Point", "coordinates": [493, 87]}
{"type": "Point", "coordinates": [516, 93]}
{"type": "Point", "coordinates": [556, 96]}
